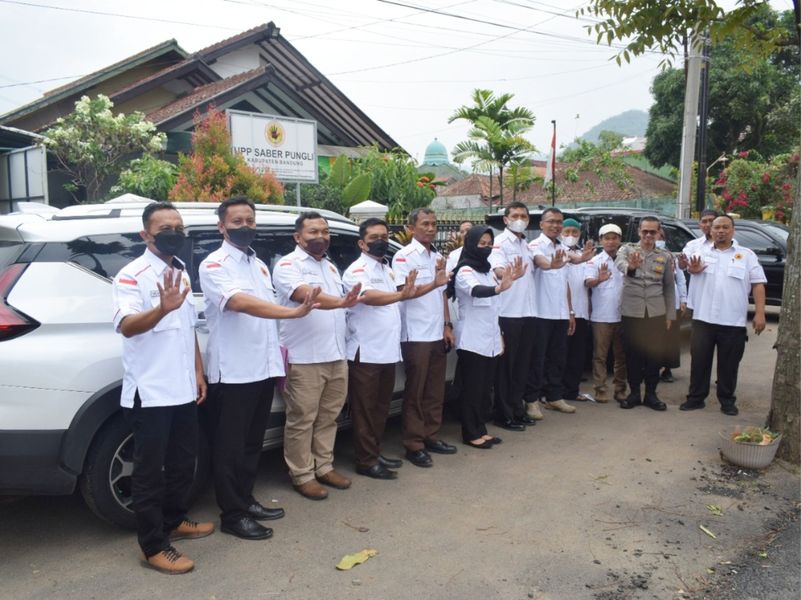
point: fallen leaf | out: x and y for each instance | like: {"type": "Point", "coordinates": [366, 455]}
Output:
{"type": "Point", "coordinates": [763, 555]}
{"type": "Point", "coordinates": [706, 531]}
{"type": "Point", "coordinates": [715, 509]}
{"type": "Point", "coordinates": [351, 560]}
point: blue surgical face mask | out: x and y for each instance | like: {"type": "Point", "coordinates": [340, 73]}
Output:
{"type": "Point", "coordinates": [660, 244]}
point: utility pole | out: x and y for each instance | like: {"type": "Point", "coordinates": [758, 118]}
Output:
{"type": "Point", "coordinates": [700, 197]}
{"type": "Point", "coordinates": [690, 122]}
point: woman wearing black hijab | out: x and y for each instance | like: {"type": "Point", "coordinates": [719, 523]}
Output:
{"type": "Point", "coordinates": [478, 336]}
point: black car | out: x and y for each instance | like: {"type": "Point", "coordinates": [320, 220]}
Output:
{"type": "Point", "coordinates": [768, 240]}
{"type": "Point", "coordinates": [677, 234]}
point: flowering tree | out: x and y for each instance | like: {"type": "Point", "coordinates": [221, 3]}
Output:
{"type": "Point", "coordinates": [214, 172]}
{"type": "Point", "coordinates": [92, 143]}
{"type": "Point", "coordinates": [749, 184]}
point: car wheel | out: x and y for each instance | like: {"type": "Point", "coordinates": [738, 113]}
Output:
{"type": "Point", "coordinates": [106, 480]}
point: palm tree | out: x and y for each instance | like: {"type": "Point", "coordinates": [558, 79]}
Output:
{"type": "Point", "coordinates": [490, 143]}
{"type": "Point", "coordinates": [496, 137]}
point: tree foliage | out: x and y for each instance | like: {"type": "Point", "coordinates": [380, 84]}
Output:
{"type": "Point", "coordinates": [599, 159]}
{"type": "Point", "coordinates": [93, 145]}
{"type": "Point", "coordinates": [214, 172]}
{"type": "Point", "coordinates": [758, 110]}
{"type": "Point", "coordinates": [147, 176]}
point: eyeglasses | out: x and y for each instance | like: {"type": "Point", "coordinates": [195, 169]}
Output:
{"type": "Point", "coordinates": [552, 222]}
{"type": "Point", "coordinates": [649, 231]}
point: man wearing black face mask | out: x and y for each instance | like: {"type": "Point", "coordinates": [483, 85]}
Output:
{"type": "Point", "coordinates": [373, 346]}
{"type": "Point", "coordinates": [243, 363]}
{"type": "Point", "coordinates": [162, 385]}
{"type": "Point", "coordinates": [317, 375]}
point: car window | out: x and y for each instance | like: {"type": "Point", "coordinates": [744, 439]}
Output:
{"type": "Point", "coordinates": [344, 249]}
{"type": "Point", "coordinates": [756, 241]}
{"type": "Point", "coordinates": [105, 254]}
{"type": "Point", "coordinates": [675, 237]}
{"type": "Point", "coordinates": [779, 232]}
{"type": "Point", "coordinates": [593, 225]}
{"type": "Point", "coordinates": [9, 251]}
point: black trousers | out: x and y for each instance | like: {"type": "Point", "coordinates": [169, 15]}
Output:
{"type": "Point", "coordinates": [474, 400]}
{"type": "Point", "coordinates": [165, 449]}
{"type": "Point", "coordinates": [513, 366]}
{"type": "Point", "coordinates": [547, 360]}
{"type": "Point", "coordinates": [577, 346]}
{"type": "Point", "coordinates": [644, 342]}
{"type": "Point", "coordinates": [730, 344]}
{"type": "Point", "coordinates": [240, 412]}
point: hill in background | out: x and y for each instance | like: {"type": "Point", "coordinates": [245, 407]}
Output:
{"type": "Point", "coordinates": [628, 124]}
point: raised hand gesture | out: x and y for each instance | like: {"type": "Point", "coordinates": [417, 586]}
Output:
{"type": "Point", "coordinates": [506, 281]}
{"type": "Point", "coordinates": [588, 251]}
{"type": "Point", "coordinates": [558, 259]}
{"type": "Point", "coordinates": [409, 289]}
{"type": "Point", "coordinates": [635, 260]}
{"type": "Point", "coordinates": [170, 294]}
{"type": "Point", "coordinates": [696, 265]}
{"type": "Point", "coordinates": [683, 262]}
{"type": "Point", "coordinates": [309, 303]}
{"type": "Point", "coordinates": [352, 297]}
{"type": "Point", "coordinates": [518, 267]}
{"type": "Point", "coordinates": [441, 276]}
{"type": "Point", "coordinates": [604, 273]}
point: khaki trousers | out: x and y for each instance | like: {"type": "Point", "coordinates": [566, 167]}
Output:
{"type": "Point", "coordinates": [314, 397]}
{"type": "Point", "coordinates": [605, 335]}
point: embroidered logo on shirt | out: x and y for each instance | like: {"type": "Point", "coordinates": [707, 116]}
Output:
{"type": "Point", "coordinates": [286, 263]}
{"type": "Point", "coordinates": [213, 265]}
{"type": "Point", "coordinates": [400, 259]}
{"type": "Point", "coordinates": [127, 281]}
{"type": "Point", "coordinates": [738, 256]}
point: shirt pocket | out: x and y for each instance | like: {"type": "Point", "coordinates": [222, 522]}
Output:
{"type": "Point", "coordinates": [736, 271]}
{"type": "Point", "coordinates": [482, 302]}
{"type": "Point", "coordinates": [169, 321]}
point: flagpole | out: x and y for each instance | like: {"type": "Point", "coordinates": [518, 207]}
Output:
{"type": "Point", "coordinates": [553, 167]}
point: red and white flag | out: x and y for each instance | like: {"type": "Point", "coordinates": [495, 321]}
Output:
{"type": "Point", "coordinates": [550, 166]}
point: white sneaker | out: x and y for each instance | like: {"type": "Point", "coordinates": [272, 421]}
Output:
{"type": "Point", "coordinates": [533, 411]}
{"type": "Point", "coordinates": [561, 406]}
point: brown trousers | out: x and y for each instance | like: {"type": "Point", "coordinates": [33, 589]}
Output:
{"type": "Point", "coordinates": [370, 386]}
{"type": "Point", "coordinates": [605, 335]}
{"type": "Point", "coordinates": [424, 392]}
{"type": "Point", "coordinates": [314, 396]}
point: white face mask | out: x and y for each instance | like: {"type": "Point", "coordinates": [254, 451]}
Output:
{"type": "Point", "coordinates": [660, 243]}
{"type": "Point", "coordinates": [569, 240]}
{"type": "Point", "coordinates": [517, 225]}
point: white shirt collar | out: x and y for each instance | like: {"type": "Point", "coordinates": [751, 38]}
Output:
{"type": "Point", "coordinates": [236, 253]}
{"type": "Point", "coordinates": [159, 266]}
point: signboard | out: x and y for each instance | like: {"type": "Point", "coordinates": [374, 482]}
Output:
{"type": "Point", "coordinates": [285, 146]}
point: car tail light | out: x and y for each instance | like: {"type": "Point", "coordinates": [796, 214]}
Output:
{"type": "Point", "coordinates": [12, 322]}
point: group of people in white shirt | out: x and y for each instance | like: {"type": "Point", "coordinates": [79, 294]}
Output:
{"type": "Point", "coordinates": [321, 337]}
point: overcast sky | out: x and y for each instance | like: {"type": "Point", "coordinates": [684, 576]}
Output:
{"type": "Point", "coordinates": [407, 68]}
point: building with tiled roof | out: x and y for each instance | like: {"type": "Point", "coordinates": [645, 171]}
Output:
{"type": "Point", "coordinates": [256, 71]}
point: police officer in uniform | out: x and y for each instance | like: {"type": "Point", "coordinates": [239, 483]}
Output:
{"type": "Point", "coordinates": [648, 307]}
{"type": "Point", "coordinates": [162, 385]}
{"type": "Point", "coordinates": [244, 361]}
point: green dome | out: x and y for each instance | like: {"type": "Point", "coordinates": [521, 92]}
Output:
{"type": "Point", "coordinates": [436, 154]}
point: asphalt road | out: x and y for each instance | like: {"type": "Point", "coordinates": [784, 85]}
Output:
{"type": "Point", "coordinates": [603, 504]}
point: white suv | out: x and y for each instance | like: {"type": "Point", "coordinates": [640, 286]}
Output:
{"type": "Point", "coordinates": [60, 365]}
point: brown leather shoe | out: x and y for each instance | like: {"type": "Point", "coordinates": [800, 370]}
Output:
{"type": "Point", "coordinates": [170, 561]}
{"type": "Point", "coordinates": [335, 479]}
{"type": "Point", "coordinates": [311, 490]}
{"type": "Point", "coordinates": [190, 530]}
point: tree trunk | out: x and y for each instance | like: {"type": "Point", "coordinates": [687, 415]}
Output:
{"type": "Point", "coordinates": [786, 394]}
{"type": "Point", "coordinates": [500, 181]}
{"type": "Point", "coordinates": [489, 201]}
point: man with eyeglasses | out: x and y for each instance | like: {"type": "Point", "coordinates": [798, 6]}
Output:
{"type": "Point", "coordinates": [648, 306]}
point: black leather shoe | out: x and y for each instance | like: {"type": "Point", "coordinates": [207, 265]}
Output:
{"type": "Point", "coordinates": [485, 445]}
{"type": "Point", "coordinates": [631, 401]}
{"type": "Point", "coordinates": [377, 471]}
{"type": "Point", "coordinates": [262, 513]}
{"type": "Point", "coordinates": [690, 405]}
{"type": "Point", "coordinates": [440, 447]}
{"type": "Point", "coordinates": [525, 420]}
{"type": "Point", "coordinates": [419, 458]}
{"type": "Point", "coordinates": [390, 463]}
{"type": "Point", "coordinates": [511, 425]}
{"type": "Point", "coordinates": [729, 409]}
{"type": "Point", "coordinates": [247, 529]}
{"type": "Point", "coordinates": [495, 440]}
{"type": "Point", "coordinates": [653, 402]}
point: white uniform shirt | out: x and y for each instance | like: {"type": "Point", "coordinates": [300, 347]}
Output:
{"type": "Point", "coordinates": [550, 286]}
{"type": "Point", "coordinates": [681, 287]}
{"type": "Point", "coordinates": [453, 258]}
{"type": "Point", "coordinates": [605, 297]}
{"type": "Point", "coordinates": [724, 285]}
{"type": "Point", "coordinates": [579, 294]}
{"type": "Point", "coordinates": [423, 319]}
{"type": "Point", "coordinates": [518, 300]}
{"type": "Point", "coordinates": [318, 337]}
{"type": "Point", "coordinates": [241, 348]}
{"type": "Point", "coordinates": [373, 331]}
{"type": "Point", "coordinates": [160, 363]}
{"type": "Point", "coordinates": [479, 331]}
